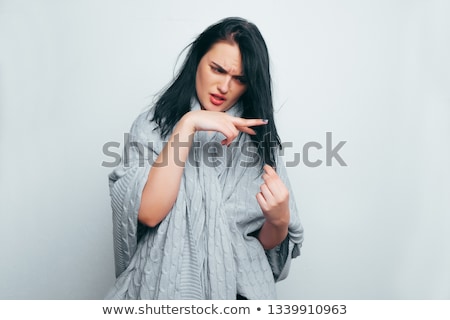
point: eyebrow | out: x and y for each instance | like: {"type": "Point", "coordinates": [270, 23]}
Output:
{"type": "Point", "coordinates": [238, 76]}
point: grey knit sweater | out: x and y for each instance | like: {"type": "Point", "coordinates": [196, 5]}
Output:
{"type": "Point", "coordinates": [205, 247]}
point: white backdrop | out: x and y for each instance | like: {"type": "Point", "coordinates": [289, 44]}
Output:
{"type": "Point", "coordinates": [376, 74]}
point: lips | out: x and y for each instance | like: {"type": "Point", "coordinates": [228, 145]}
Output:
{"type": "Point", "coordinates": [217, 99]}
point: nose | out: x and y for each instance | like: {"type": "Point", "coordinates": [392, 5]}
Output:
{"type": "Point", "coordinates": [224, 84]}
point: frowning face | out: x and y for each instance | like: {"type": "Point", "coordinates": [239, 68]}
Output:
{"type": "Point", "coordinates": [219, 80]}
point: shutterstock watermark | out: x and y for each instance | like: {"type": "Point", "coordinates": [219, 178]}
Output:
{"type": "Point", "coordinates": [213, 153]}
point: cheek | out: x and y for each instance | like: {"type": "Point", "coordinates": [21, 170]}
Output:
{"type": "Point", "coordinates": [198, 82]}
{"type": "Point", "coordinates": [240, 91]}
{"type": "Point", "coordinates": [201, 79]}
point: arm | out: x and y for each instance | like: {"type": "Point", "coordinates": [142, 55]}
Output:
{"type": "Point", "coordinates": [164, 178]}
{"type": "Point", "coordinates": [161, 190]}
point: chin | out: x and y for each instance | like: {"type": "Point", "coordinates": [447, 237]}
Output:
{"type": "Point", "coordinates": [212, 107]}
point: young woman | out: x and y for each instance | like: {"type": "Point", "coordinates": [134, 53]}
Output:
{"type": "Point", "coordinates": [202, 205]}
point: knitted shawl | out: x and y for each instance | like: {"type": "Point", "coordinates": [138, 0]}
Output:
{"type": "Point", "coordinates": [205, 248]}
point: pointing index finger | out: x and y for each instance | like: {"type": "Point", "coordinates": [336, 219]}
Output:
{"type": "Point", "coordinates": [250, 122]}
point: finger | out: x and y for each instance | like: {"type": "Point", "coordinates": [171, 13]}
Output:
{"type": "Point", "coordinates": [271, 179]}
{"type": "Point", "coordinates": [262, 202]}
{"type": "Point", "coordinates": [229, 140]}
{"type": "Point", "coordinates": [267, 193]}
{"type": "Point", "coordinates": [269, 170]}
{"type": "Point", "coordinates": [246, 130]}
{"type": "Point", "coordinates": [230, 132]}
{"type": "Point", "coordinates": [276, 186]}
{"type": "Point", "coordinates": [241, 122]}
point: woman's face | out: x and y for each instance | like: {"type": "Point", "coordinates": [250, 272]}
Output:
{"type": "Point", "coordinates": [219, 80]}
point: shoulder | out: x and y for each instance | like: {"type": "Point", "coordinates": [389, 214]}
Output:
{"type": "Point", "coordinates": [143, 125]}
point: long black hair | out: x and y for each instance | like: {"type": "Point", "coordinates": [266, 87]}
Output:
{"type": "Point", "coordinates": [175, 101]}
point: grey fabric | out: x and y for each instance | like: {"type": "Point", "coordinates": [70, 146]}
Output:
{"type": "Point", "coordinates": [204, 247]}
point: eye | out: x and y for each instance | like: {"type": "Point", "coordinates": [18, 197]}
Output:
{"type": "Point", "coordinates": [217, 69]}
{"type": "Point", "coordinates": [241, 80]}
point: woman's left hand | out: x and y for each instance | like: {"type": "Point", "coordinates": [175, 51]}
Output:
{"type": "Point", "coordinates": [274, 198]}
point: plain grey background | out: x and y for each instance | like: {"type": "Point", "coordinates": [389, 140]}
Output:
{"type": "Point", "coordinates": [75, 74]}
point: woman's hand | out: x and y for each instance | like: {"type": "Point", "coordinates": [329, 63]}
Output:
{"type": "Point", "coordinates": [274, 202]}
{"type": "Point", "coordinates": [274, 198]}
{"type": "Point", "coordinates": [229, 126]}
{"type": "Point", "coordinates": [163, 182]}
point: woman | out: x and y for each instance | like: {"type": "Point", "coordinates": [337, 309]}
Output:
{"type": "Point", "coordinates": [206, 215]}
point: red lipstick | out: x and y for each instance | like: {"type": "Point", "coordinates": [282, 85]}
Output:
{"type": "Point", "coordinates": [217, 99]}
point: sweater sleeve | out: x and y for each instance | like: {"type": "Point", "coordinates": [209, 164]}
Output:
{"type": "Point", "coordinates": [126, 183]}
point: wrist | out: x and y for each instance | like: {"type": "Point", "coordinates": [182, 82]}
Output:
{"type": "Point", "coordinates": [186, 124]}
{"type": "Point", "coordinates": [280, 221]}
{"type": "Point", "coordinates": [272, 233]}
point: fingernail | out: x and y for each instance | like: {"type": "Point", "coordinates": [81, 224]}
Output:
{"type": "Point", "coordinates": [265, 121]}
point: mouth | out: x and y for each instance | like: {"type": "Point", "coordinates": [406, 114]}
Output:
{"type": "Point", "coordinates": [217, 99]}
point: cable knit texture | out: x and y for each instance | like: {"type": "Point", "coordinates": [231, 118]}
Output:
{"type": "Point", "coordinates": [204, 247]}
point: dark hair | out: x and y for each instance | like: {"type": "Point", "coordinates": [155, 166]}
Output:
{"type": "Point", "coordinates": [175, 101]}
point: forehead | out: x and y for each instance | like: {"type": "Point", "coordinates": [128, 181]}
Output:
{"type": "Point", "coordinates": [227, 55]}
